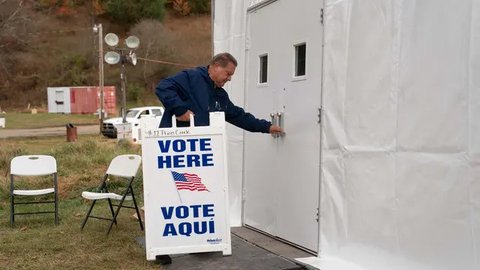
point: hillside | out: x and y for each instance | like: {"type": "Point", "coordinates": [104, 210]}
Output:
{"type": "Point", "coordinates": [47, 48]}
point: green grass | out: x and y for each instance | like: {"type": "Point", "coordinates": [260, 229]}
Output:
{"type": "Point", "coordinates": [36, 243]}
{"type": "Point", "coordinates": [28, 120]}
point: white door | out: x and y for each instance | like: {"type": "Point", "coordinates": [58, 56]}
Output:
{"type": "Point", "coordinates": [283, 71]}
{"type": "Point", "coordinates": [60, 100]}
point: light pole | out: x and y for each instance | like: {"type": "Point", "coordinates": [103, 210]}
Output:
{"type": "Point", "coordinates": [113, 57]}
{"type": "Point", "coordinates": [97, 28]}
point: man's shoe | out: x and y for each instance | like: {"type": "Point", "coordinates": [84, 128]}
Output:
{"type": "Point", "coordinates": [163, 259]}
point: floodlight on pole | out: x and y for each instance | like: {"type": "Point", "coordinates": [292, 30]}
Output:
{"type": "Point", "coordinates": [112, 58]}
{"type": "Point", "coordinates": [132, 58]}
{"type": "Point", "coordinates": [111, 39]}
{"type": "Point", "coordinates": [120, 56]}
{"type": "Point", "coordinates": [132, 42]}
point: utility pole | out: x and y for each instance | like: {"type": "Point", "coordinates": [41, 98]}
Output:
{"type": "Point", "coordinates": [123, 82]}
{"type": "Point", "coordinates": [99, 30]}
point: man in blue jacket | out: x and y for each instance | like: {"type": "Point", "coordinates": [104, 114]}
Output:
{"type": "Point", "coordinates": [200, 90]}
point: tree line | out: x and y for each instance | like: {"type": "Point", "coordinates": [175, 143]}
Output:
{"type": "Point", "coordinates": [47, 43]}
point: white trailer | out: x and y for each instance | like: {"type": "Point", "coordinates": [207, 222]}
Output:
{"type": "Point", "coordinates": [58, 99]}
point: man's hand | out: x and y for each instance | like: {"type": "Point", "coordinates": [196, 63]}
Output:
{"type": "Point", "coordinates": [185, 117]}
{"type": "Point", "coordinates": [276, 130]}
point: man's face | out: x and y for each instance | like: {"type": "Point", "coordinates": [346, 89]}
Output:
{"type": "Point", "coordinates": [222, 75]}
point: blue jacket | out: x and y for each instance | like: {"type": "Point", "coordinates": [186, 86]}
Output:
{"type": "Point", "coordinates": [194, 90]}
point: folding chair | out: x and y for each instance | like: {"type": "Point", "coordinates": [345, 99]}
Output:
{"type": "Point", "coordinates": [23, 171]}
{"type": "Point", "coordinates": [123, 167]}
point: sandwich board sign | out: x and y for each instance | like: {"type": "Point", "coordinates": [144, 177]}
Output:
{"type": "Point", "coordinates": [185, 188]}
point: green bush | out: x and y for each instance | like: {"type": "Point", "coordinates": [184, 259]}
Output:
{"type": "Point", "coordinates": [133, 92]}
{"type": "Point", "coordinates": [130, 11]}
{"type": "Point", "coordinates": [73, 70]}
{"type": "Point", "coordinates": [200, 6]}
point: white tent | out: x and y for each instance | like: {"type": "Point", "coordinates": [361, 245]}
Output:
{"type": "Point", "coordinates": [398, 172]}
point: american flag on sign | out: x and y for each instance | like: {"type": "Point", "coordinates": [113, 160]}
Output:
{"type": "Point", "coordinates": [188, 181]}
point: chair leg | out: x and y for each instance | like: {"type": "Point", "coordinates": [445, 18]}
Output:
{"type": "Point", "coordinates": [12, 211]}
{"type": "Point", "coordinates": [111, 210]}
{"type": "Point", "coordinates": [12, 203]}
{"type": "Point", "coordinates": [136, 209]}
{"type": "Point", "coordinates": [116, 214]}
{"type": "Point", "coordinates": [56, 208]}
{"type": "Point", "coordinates": [88, 214]}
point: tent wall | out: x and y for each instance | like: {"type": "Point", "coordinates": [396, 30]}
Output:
{"type": "Point", "coordinates": [400, 168]}
{"type": "Point", "coordinates": [229, 19]}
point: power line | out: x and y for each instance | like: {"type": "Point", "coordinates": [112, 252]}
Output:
{"type": "Point", "coordinates": [60, 31]}
{"type": "Point", "coordinates": [166, 62]}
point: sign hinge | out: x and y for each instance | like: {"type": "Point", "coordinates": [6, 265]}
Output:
{"type": "Point", "coordinates": [322, 16]}
{"type": "Point", "coordinates": [319, 115]}
{"type": "Point", "coordinates": [247, 44]}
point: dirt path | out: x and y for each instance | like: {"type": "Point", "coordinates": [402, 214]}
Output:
{"type": "Point", "coordinates": [52, 131]}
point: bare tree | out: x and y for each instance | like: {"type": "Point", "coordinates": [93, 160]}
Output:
{"type": "Point", "coordinates": [156, 43]}
{"type": "Point", "coordinates": [14, 25]}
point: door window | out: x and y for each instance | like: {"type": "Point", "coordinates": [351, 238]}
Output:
{"type": "Point", "coordinates": [263, 69]}
{"type": "Point", "coordinates": [300, 59]}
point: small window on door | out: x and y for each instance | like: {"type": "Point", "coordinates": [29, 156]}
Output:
{"type": "Point", "coordinates": [263, 71]}
{"type": "Point", "coordinates": [300, 59]}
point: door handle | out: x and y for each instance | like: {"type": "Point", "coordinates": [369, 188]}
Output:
{"type": "Point", "coordinates": [277, 120]}
{"type": "Point", "coordinates": [280, 120]}
{"type": "Point", "coordinates": [274, 119]}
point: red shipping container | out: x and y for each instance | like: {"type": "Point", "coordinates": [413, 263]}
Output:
{"type": "Point", "coordinates": [86, 99]}
{"type": "Point", "coordinates": [109, 100]}
{"type": "Point", "coordinates": [83, 100]}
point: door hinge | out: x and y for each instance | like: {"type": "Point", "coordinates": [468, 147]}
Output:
{"type": "Point", "coordinates": [322, 16]}
{"type": "Point", "coordinates": [319, 115]}
{"type": "Point", "coordinates": [318, 215]}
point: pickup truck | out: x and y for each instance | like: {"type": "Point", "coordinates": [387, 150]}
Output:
{"type": "Point", "coordinates": [133, 116]}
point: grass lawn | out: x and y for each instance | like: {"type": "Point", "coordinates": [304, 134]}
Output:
{"type": "Point", "coordinates": [36, 243]}
{"type": "Point", "coordinates": [28, 120]}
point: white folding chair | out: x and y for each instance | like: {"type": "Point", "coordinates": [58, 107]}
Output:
{"type": "Point", "coordinates": [123, 167]}
{"type": "Point", "coordinates": [23, 171]}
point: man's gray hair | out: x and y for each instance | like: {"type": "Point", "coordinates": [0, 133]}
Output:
{"type": "Point", "coordinates": [223, 59]}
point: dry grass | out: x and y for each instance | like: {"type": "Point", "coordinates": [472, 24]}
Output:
{"type": "Point", "coordinates": [35, 243]}
{"type": "Point", "coordinates": [16, 120]}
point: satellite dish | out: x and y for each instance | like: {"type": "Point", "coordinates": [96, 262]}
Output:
{"type": "Point", "coordinates": [112, 58]}
{"type": "Point", "coordinates": [111, 39]}
{"type": "Point", "coordinates": [132, 58]}
{"type": "Point", "coordinates": [132, 42]}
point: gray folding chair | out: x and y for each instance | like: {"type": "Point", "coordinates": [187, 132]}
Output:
{"type": "Point", "coordinates": [27, 180]}
{"type": "Point", "coordinates": [123, 167]}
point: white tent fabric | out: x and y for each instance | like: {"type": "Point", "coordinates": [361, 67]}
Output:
{"type": "Point", "coordinates": [400, 183]}
{"type": "Point", "coordinates": [400, 141]}
{"type": "Point", "coordinates": [229, 36]}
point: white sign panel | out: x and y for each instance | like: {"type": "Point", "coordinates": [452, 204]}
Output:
{"type": "Point", "coordinates": [185, 188]}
